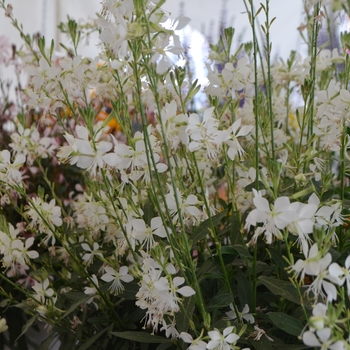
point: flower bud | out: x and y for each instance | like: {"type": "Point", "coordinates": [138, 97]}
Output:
{"type": "Point", "coordinates": [3, 325]}
{"type": "Point", "coordinates": [42, 310]}
{"type": "Point", "coordinates": [300, 178]}
{"type": "Point", "coordinates": [316, 322]}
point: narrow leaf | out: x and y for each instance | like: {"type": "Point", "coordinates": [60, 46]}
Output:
{"type": "Point", "coordinates": [96, 336]}
{"type": "Point", "coordinates": [183, 318]}
{"type": "Point", "coordinates": [209, 266]}
{"type": "Point", "coordinates": [245, 290]}
{"type": "Point", "coordinates": [29, 323]}
{"type": "Point", "coordinates": [282, 288]}
{"type": "Point", "coordinates": [164, 346]}
{"type": "Point", "coordinates": [76, 305]}
{"type": "Point", "coordinates": [141, 337]}
{"type": "Point", "coordinates": [262, 344]}
{"type": "Point", "coordinates": [292, 347]}
{"type": "Point", "coordinates": [203, 229]}
{"type": "Point", "coordinates": [45, 344]}
{"type": "Point", "coordinates": [220, 301]}
{"type": "Point", "coordinates": [277, 258]}
{"type": "Point", "coordinates": [242, 251]}
{"type": "Point", "coordinates": [287, 323]}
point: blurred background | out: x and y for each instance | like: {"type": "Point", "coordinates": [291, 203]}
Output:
{"type": "Point", "coordinates": [208, 16]}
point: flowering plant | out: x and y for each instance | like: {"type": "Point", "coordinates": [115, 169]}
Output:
{"type": "Point", "coordinates": [130, 221]}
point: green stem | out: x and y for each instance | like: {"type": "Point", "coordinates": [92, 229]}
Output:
{"type": "Point", "coordinates": [256, 114]}
{"type": "Point", "coordinates": [314, 48]}
{"type": "Point", "coordinates": [151, 161]}
{"type": "Point", "coordinates": [295, 283]}
{"type": "Point", "coordinates": [255, 101]}
{"type": "Point", "coordinates": [269, 78]}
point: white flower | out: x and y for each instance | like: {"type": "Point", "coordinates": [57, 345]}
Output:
{"type": "Point", "coordinates": [44, 216]}
{"type": "Point", "coordinates": [303, 222]}
{"type": "Point", "coordinates": [115, 276]}
{"type": "Point", "coordinates": [95, 216]}
{"type": "Point", "coordinates": [322, 338]}
{"type": "Point", "coordinates": [230, 138]}
{"type": "Point", "coordinates": [203, 133]}
{"type": "Point", "coordinates": [341, 274]}
{"type": "Point", "coordinates": [187, 207]}
{"type": "Point", "coordinates": [145, 234]}
{"type": "Point", "coordinates": [319, 317]}
{"type": "Point", "coordinates": [245, 315]}
{"type": "Point", "coordinates": [170, 329]}
{"type": "Point", "coordinates": [85, 153]}
{"type": "Point", "coordinates": [196, 344]}
{"type": "Point", "coordinates": [89, 256]}
{"type": "Point", "coordinates": [259, 332]}
{"type": "Point", "coordinates": [174, 125]}
{"type": "Point", "coordinates": [42, 74]}
{"type": "Point", "coordinates": [320, 286]}
{"type": "Point", "coordinates": [168, 299]}
{"type": "Point", "coordinates": [92, 290]}
{"type": "Point", "coordinates": [21, 251]}
{"type": "Point", "coordinates": [224, 341]}
{"type": "Point", "coordinates": [113, 35]}
{"type": "Point", "coordinates": [273, 220]}
{"type": "Point", "coordinates": [232, 78]}
{"type": "Point", "coordinates": [12, 174]}
{"type": "Point", "coordinates": [169, 42]}
{"type": "Point", "coordinates": [43, 292]}
{"type": "Point", "coordinates": [310, 265]}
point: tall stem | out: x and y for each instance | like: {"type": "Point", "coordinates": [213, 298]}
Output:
{"type": "Point", "coordinates": [256, 115]}
{"type": "Point", "coordinates": [269, 79]}
{"type": "Point", "coordinates": [314, 48]}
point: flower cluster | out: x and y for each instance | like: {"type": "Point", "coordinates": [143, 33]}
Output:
{"type": "Point", "coordinates": [126, 210]}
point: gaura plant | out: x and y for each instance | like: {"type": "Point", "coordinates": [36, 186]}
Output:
{"type": "Point", "coordinates": [129, 220]}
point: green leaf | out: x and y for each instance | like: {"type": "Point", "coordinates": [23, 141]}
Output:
{"type": "Point", "coordinates": [262, 344]}
{"type": "Point", "coordinates": [29, 323]}
{"type": "Point", "coordinates": [249, 188]}
{"type": "Point", "coordinates": [291, 347]}
{"type": "Point", "coordinates": [45, 344]}
{"type": "Point", "coordinates": [245, 290]}
{"type": "Point", "coordinates": [99, 320]}
{"type": "Point", "coordinates": [287, 323]}
{"type": "Point", "coordinates": [4, 227]}
{"type": "Point", "coordinates": [203, 229]}
{"type": "Point", "coordinates": [88, 344]}
{"type": "Point", "coordinates": [135, 316]}
{"type": "Point", "coordinates": [67, 339]}
{"type": "Point", "coordinates": [277, 257]}
{"type": "Point", "coordinates": [220, 301]}
{"type": "Point", "coordinates": [76, 305]}
{"type": "Point", "coordinates": [283, 288]}
{"type": "Point", "coordinates": [40, 274]}
{"type": "Point", "coordinates": [335, 254]}
{"type": "Point", "coordinates": [209, 266]}
{"type": "Point", "coordinates": [141, 337]}
{"type": "Point", "coordinates": [130, 290]}
{"type": "Point", "coordinates": [183, 318]}
{"type": "Point", "coordinates": [164, 346]}
{"type": "Point", "coordinates": [242, 251]}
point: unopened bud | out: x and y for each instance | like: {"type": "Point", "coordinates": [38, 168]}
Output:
{"type": "Point", "coordinates": [316, 322]}
{"type": "Point", "coordinates": [300, 178]}
{"type": "Point", "coordinates": [3, 325]}
{"type": "Point", "coordinates": [8, 11]}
